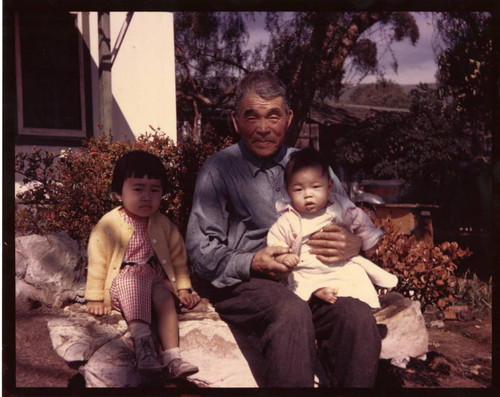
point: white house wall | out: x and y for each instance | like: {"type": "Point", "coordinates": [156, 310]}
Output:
{"type": "Point", "coordinates": [143, 74]}
{"type": "Point", "coordinates": [143, 78]}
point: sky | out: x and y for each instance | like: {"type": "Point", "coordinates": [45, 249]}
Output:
{"type": "Point", "coordinates": [416, 63]}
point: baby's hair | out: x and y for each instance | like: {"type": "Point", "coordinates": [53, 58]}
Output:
{"type": "Point", "coordinates": [304, 158]}
{"type": "Point", "coordinates": [138, 164]}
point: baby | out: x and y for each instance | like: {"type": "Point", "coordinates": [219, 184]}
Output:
{"type": "Point", "coordinates": [138, 264]}
{"type": "Point", "coordinates": [314, 206]}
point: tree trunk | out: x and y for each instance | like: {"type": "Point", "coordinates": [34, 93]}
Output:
{"type": "Point", "coordinates": [196, 134]}
{"type": "Point", "coordinates": [320, 62]}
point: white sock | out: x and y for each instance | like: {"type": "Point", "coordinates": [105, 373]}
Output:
{"type": "Point", "coordinates": [170, 354]}
{"type": "Point", "coordinates": [139, 330]}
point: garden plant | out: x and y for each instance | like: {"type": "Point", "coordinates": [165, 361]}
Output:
{"type": "Point", "coordinates": [70, 192]}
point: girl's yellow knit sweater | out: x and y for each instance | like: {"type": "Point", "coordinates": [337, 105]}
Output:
{"type": "Point", "coordinates": [109, 240]}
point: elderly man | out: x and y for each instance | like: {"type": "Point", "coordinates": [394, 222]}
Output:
{"type": "Point", "coordinates": [233, 208]}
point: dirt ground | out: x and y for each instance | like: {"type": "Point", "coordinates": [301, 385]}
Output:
{"type": "Point", "coordinates": [460, 356]}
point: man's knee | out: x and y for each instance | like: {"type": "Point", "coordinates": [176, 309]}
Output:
{"type": "Point", "coordinates": [347, 315]}
{"type": "Point", "coordinates": [357, 313]}
{"type": "Point", "coordinates": [293, 312]}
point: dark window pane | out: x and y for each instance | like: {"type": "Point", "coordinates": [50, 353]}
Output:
{"type": "Point", "coordinates": [50, 71]}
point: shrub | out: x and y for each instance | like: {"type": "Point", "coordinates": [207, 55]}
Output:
{"type": "Point", "coordinates": [71, 191]}
{"type": "Point", "coordinates": [469, 290]}
{"type": "Point", "coordinates": [425, 272]}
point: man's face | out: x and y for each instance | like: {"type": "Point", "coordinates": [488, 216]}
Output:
{"type": "Point", "coordinates": [262, 124]}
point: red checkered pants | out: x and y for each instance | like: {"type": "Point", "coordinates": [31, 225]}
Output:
{"type": "Point", "coordinates": [131, 290]}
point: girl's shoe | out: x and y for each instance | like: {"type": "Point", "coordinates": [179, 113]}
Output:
{"type": "Point", "coordinates": [145, 354]}
{"type": "Point", "coordinates": [178, 368]}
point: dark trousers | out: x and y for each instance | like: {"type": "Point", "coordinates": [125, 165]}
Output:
{"type": "Point", "coordinates": [286, 330]}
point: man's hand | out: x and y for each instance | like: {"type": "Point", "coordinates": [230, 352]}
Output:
{"type": "Point", "coordinates": [334, 244]}
{"type": "Point", "coordinates": [264, 263]}
{"type": "Point", "coordinates": [96, 308]}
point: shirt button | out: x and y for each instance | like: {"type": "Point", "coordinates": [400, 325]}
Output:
{"type": "Point", "coordinates": [163, 261]}
{"type": "Point", "coordinates": [278, 189]}
{"type": "Point", "coordinates": [154, 241]}
{"type": "Point", "coordinates": [174, 279]}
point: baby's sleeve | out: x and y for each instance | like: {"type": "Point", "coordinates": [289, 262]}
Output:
{"type": "Point", "coordinates": [278, 234]}
{"type": "Point", "coordinates": [361, 225]}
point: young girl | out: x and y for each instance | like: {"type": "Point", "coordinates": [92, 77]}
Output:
{"type": "Point", "coordinates": [314, 206]}
{"type": "Point", "coordinates": [137, 264]}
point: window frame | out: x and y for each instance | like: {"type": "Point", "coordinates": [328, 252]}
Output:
{"type": "Point", "coordinates": [61, 133]}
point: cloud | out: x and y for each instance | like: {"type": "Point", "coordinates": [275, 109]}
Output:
{"type": "Point", "coordinates": [416, 64]}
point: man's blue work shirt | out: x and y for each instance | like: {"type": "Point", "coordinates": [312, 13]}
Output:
{"type": "Point", "coordinates": [233, 209]}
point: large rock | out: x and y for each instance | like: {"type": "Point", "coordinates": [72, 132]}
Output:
{"type": "Point", "coordinates": [104, 349]}
{"type": "Point", "coordinates": [49, 270]}
{"type": "Point", "coordinates": [112, 365]}
{"type": "Point", "coordinates": [77, 337]}
{"type": "Point", "coordinates": [212, 347]}
{"type": "Point", "coordinates": [406, 331]}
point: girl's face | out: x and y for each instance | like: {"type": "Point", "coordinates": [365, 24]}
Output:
{"type": "Point", "coordinates": [308, 188]}
{"type": "Point", "coordinates": [141, 197]}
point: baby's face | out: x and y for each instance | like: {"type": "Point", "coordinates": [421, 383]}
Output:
{"type": "Point", "coordinates": [141, 196]}
{"type": "Point", "coordinates": [308, 188]}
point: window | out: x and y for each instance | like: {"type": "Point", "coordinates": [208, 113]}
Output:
{"type": "Point", "coordinates": [50, 75]}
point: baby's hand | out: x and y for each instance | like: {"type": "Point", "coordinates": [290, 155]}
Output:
{"type": "Point", "coordinates": [96, 308]}
{"type": "Point", "coordinates": [291, 260]}
{"type": "Point", "coordinates": [188, 299]}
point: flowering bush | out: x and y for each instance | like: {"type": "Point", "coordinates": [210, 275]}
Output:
{"type": "Point", "coordinates": [71, 191]}
{"type": "Point", "coordinates": [425, 272]}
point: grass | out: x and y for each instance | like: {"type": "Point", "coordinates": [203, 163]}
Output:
{"type": "Point", "coordinates": [471, 291]}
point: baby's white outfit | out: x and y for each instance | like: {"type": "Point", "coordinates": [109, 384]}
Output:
{"type": "Point", "coordinates": [355, 277]}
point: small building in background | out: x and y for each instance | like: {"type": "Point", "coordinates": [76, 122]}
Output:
{"type": "Point", "coordinates": [328, 122]}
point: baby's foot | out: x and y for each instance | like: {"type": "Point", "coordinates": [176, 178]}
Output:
{"type": "Point", "coordinates": [327, 294]}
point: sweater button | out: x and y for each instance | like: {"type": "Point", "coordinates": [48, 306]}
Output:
{"type": "Point", "coordinates": [174, 279]}
{"type": "Point", "coordinates": [163, 261]}
{"type": "Point", "coordinates": [154, 241]}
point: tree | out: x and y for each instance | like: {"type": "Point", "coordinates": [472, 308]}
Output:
{"type": "Point", "coordinates": [307, 50]}
{"type": "Point", "coordinates": [384, 93]}
{"type": "Point", "coordinates": [393, 144]}
{"type": "Point", "coordinates": [451, 122]}
{"type": "Point", "coordinates": [466, 74]}
{"type": "Point", "coordinates": [208, 46]}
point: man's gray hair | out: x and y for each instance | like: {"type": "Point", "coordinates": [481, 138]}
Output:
{"type": "Point", "coordinates": [263, 83]}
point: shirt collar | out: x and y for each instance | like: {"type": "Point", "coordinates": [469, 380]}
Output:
{"type": "Point", "coordinates": [132, 221]}
{"type": "Point", "coordinates": [257, 163]}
